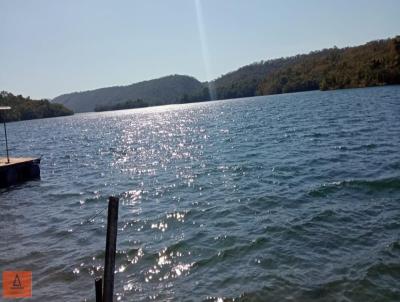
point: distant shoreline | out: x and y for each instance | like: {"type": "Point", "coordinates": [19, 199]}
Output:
{"type": "Point", "coordinates": [376, 63]}
{"type": "Point", "coordinates": [234, 99]}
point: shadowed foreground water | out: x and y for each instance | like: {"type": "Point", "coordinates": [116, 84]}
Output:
{"type": "Point", "coordinates": [282, 198]}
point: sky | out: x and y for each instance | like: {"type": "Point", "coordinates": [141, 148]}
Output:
{"type": "Point", "coordinates": [51, 47]}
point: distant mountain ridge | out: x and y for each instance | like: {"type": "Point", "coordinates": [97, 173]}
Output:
{"type": "Point", "coordinates": [372, 64]}
{"type": "Point", "coordinates": [165, 90]}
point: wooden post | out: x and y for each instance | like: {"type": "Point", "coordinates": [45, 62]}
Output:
{"type": "Point", "coordinates": [5, 134]}
{"type": "Point", "coordinates": [3, 108]}
{"type": "Point", "coordinates": [98, 283]}
{"type": "Point", "coordinates": [111, 246]}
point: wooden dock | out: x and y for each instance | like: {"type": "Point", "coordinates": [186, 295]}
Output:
{"type": "Point", "coordinates": [18, 169]}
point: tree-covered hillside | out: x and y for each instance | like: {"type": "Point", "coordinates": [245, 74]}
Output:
{"type": "Point", "coordinates": [243, 82]}
{"type": "Point", "coordinates": [166, 90]}
{"type": "Point", "coordinates": [246, 80]}
{"type": "Point", "coordinates": [139, 103]}
{"type": "Point", "coordinates": [27, 109]}
{"type": "Point", "coordinates": [372, 64]}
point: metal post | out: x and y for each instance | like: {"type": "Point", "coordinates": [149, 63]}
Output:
{"type": "Point", "coordinates": [98, 284]}
{"type": "Point", "coordinates": [5, 134]}
{"type": "Point", "coordinates": [111, 246]}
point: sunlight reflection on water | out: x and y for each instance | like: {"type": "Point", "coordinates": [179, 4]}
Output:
{"type": "Point", "coordinates": [264, 198]}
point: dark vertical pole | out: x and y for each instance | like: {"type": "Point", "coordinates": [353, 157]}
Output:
{"type": "Point", "coordinates": [5, 134]}
{"type": "Point", "coordinates": [111, 246]}
{"type": "Point", "coordinates": [98, 283]}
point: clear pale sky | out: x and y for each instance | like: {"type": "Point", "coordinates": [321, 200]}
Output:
{"type": "Point", "coordinates": [52, 47]}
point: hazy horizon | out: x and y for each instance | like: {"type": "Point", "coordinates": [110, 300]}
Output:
{"type": "Point", "coordinates": [56, 48]}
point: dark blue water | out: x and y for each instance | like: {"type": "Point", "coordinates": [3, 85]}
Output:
{"type": "Point", "coordinates": [282, 198]}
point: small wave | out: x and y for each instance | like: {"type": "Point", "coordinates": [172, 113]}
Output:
{"type": "Point", "coordinates": [377, 185]}
{"type": "Point", "coordinates": [317, 135]}
{"type": "Point", "coordinates": [324, 216]}
{"type": "Point", "coordinates": [358, 148]}
{"type": "Point", "coordinates": [389, 269]}
{"type": "Point", "coordinates": [232, 252]}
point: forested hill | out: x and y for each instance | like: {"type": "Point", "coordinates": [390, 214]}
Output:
{"type": "Point", "coordinates": [372, 64]}
{"type": "Point", "coordinates": [27, 109]}
{"type": "Point", "coordinates": [165, 90]}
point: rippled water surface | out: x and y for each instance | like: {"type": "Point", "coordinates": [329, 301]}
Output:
{"type": "Point", "coordinates": [282, 198]}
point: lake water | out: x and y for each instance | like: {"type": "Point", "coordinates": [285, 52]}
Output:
{"type": "Point", "coordinates": [280, 198]}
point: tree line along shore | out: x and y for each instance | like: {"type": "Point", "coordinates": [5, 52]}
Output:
{"type": "Point", "coordinates": [375, 63]}
{"type": "Point", "coordinates": [26, 109]}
